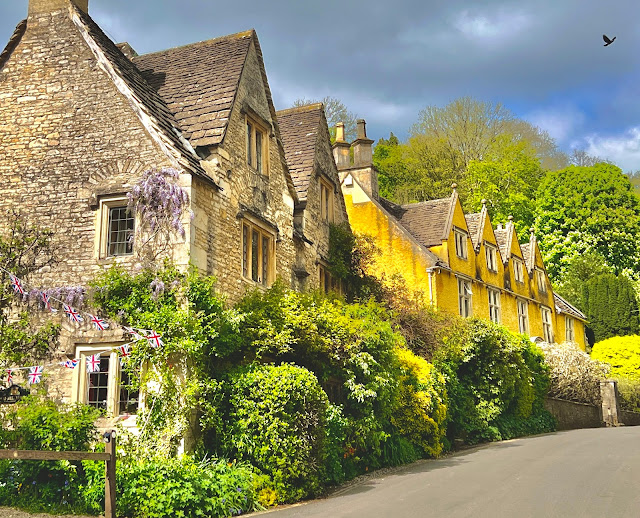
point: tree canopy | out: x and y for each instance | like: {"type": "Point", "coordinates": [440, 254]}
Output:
{"type": "Point", "coordinates": [582, 209]}
{"type": "Point", "coordinates": [335, 111]}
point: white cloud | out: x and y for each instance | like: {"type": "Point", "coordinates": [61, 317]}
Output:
{"type": "Point", "coordinates": [560, 123]}
{"type": "Point", "coordinates": [500, 25]}
{"type": "Point", "coordinates": [623, 149]}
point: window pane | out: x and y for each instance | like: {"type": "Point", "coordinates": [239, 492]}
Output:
{"type": "Point", "coordinates": [120, 233]}
{"type": "Point", "coordinates": [255, 255]}
{"type": "Point", "coordinates": [259, 151]}
{"type": "Point", "coordinates": [265, 259]}
{"type": "Point", "coordinates": [98, 385]}
{"type": "Point", "coordinates": [245, 250]}
{"type": "Point", "coordinates": [128, 398]}
{"type": "Point", "coordinates": [249, 144]}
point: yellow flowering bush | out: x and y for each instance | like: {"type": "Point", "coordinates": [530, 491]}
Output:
{"type": "Point", "coordinates": [421, 411]}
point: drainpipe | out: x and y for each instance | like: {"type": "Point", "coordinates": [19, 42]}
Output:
{"type": "Point", "coordinates": [430, 272]}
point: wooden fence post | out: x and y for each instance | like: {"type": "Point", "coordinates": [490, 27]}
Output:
{"type": "Point", "coordinates": [110, 476]}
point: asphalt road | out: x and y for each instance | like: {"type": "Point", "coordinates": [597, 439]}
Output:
{"type": "Point", "coordinates": [580, 473]}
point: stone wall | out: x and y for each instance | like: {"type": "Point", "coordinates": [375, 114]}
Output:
{"type": "Point", "coordinates": [571, 415]}
{"type": "Point", "coordinates": [629, 418]}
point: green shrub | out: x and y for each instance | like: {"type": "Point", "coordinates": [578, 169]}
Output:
{"type": "Point", "coordinates": [492, 375]}
{"type": "Point", "coordinates": [629, 394]}
{"type": "Point", "coordinates": [622, 353]}
{"type": "Point", "coordinates": [275, 419]}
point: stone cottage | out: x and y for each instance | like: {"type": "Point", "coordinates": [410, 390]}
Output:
{"type": "Point", "coordinates": [81, 120]}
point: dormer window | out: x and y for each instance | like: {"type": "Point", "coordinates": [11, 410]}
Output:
{"type": "Point", "coordinates": [492, 257]}
{"type": "Point", "coordinates": [257, 146]}
{"type": "Point", "coordinates": [518, 270]}
{"type": "Point", "coordinates": [461, 243]}
{"type": "Point", "coordinates": [542, 281]}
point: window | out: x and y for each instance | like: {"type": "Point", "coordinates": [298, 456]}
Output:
{"type": "Point", "coordinates": [108, 389]}
{"type": "Point", "coordinates": [326, 201]}
{"type": "Point", "coordinates": [464, 297]}
{"type": "Point", "coordinates": [542, 281]}
{"type": "Point", "coordinates": [494, 305]}
{"type": "Point", "coordinates": [547, 329]}
{"type": "Point", "coordinates": [523, 316]}
{"type": "Point", "coordinates": [461, 244]}
{"type": "Point", "coordinates": [492, 261]}
{"type": "Point", "coordinates": [518, 274]}
{"type": "Point", "coordinates": [327, 281]}
{"type": "Point", "coordinates": [569, 333]}
{"type": "Point", "coordinates": [257, 146]}
{"type": "Point", "coordinates": [257, 254]}
{"type": "Point", "coordinates": [117, 228]}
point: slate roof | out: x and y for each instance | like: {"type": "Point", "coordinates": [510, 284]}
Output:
{"type": "Point", "coordinates": [299, 128]}
{"type": "Point", "coordinates": [562, 306]}
{"type": "Point", "coordinates": [428, 222]}
{"type": "Point", "coordinates": [502, 239]}
{"type": "Point", "coordinates": [474, 223]}
{"type": "Point", "coordinates": [199, 83]}
{"type": "Point", "coordinates": [147, 99]}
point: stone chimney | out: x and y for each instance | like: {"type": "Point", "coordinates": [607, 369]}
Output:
{"type": "Point", "coordinates": [362, 154]}
{"type": "Point", "coordinates": [341, 148]}
{"type": "Point", "coordinates": [48, 6]}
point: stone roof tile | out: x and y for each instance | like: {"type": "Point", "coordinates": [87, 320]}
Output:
{"type": "Point", "coordinates": [473, 224]}
{"type": "Point", "coordinates": [563, 306]}
{"type": "Point", "coordinates": [427, 221]}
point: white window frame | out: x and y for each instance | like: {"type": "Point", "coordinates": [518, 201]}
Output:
{"type": "Point", "coordinates": [518, 269]}
{"type": "Point", "coordinates": [541, 280]}
{"type": "Point", "coordinates": [569, 329]}
{"type": "Point", "coordinates": [492, 257]}
{"type": "Point", "coordinates": [326, 201]}
{"type": "Point", "coordinates": [465, 297]}
{"type": "Point", "coordinates": [494, 304]}
{"type": "Point", "coordinates": [257, 148]}
{"type": "Point", "coordinates": [80, 390]}
{"type": "Point", "coordinates": [105, 205]}
{"type": "Point", "coordinates": [523, 316]}
{"type": "Point", "coordinates": [461, 243]}
{"type": "Point", "coordinates": [247, 229]}
{"type": "Point", "coordinates": [547, 324]}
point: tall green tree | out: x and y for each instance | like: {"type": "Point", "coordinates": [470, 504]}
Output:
{"type": "Point", "coordinates": [611, 306]}
{"type": "Point", "coordinates": [580, 270]}
{"type": "Point", "coordinates": [581, 209]}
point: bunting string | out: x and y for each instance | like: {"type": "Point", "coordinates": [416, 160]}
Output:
{"type": "Point", "coordinates": [77, 317]}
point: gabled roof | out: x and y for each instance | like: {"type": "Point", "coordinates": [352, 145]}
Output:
{"type": "Point", "coordinates": [474, 224]}
{"type": "Point", "coordinates": [146, 102]}
{"type": "Point", "coordinates": [428, 221]}
{"type": "Point", "coordinates": [528, 253]}
{"type": "Point", "coordinates": [562, 306]}
{"type": "Point", "coordinates": [502, 238]}
{"type": "Point", "coordinates": [199, 83]}
{"type": "Point", "coordinates": [13, 42]}
{"type": "Point", "coordinates": [300, 128]}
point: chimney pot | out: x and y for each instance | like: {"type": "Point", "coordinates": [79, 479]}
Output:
{"type": "Point", "coordinates": [340, 132]}
{"type": "Point", "coordinates": [362, 129]}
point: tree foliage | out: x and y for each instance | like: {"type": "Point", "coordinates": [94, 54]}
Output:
{"type": "Point", "coordinates": [622, 353]}
{"type": "Point", "coordinates": [582, 209]}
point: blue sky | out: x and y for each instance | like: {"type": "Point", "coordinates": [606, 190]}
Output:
{"type": "Point", "coordinates": [544, 60]}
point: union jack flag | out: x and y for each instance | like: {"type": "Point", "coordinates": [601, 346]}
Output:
{"type": "Point", "coordinates": [70, 364]}
{"type": "Point", "coordinates": [47, 302]}
{"type": "Point", "coordinates": [124, 353]}
{"type": "Point", "coordinates": [73, 315]}
{"type": "Point", "coordinates": [17, 284]}
{"type": "Point", "coordinates": [35, 375]}
{"type": "Point", "coordinates": [99, 323]}
{"type": "Point", "coordinates": [134, 334]}
{"type": "Point", "coordinates": [9, 377]}
{"type": "Point", "coordinates": [93, 363]}
{"type": "Point", "coordinates": [154, 339]}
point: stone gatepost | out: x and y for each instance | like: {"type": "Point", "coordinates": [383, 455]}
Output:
{"type": "Point", "coordinates": [609, 393]}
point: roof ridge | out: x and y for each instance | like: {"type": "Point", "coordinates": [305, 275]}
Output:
{"type": "Point", "coordinates": [301, 109]}
{"type": "Point", "coordinates": [235, 36]}
{"type": "Point", "coordinates": [13, 42]}
{"type": "Point", "coordinates": [424, 202]}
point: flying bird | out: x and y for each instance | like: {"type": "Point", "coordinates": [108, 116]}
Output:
{"type": "Point", "coordinates": [607, 41]}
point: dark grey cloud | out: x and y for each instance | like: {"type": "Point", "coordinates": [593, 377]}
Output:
{"type": "Point", "coordinates": [545, 60]}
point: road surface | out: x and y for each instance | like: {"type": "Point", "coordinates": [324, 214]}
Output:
{"type": "Point", "coordinates": [579, 473]}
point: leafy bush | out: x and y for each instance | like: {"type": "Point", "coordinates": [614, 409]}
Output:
{"type": "Point", "coordinates": [421, 411]}
{"type": "Point", "coordinates": [37, 423]}
{"type": "Point", "coordinates": [629, 394]}
{"type": "Point", "coordinates": [574, 375]}
{"type": "Point", "coordinates": [493, 377]}
{"type": "Point", "coordinates": [275, 419]}
{"type": "Point", "coordinates": [622, 353]}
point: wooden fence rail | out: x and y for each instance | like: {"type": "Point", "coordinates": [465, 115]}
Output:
{"type": "Point", "coordinates": [109, 456]}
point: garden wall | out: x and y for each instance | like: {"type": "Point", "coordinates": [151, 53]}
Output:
{"type": "Point", "coordinates": [571, 415]}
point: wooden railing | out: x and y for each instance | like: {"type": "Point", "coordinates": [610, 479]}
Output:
{"type": "Point", "coordinates": [109, 456]}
